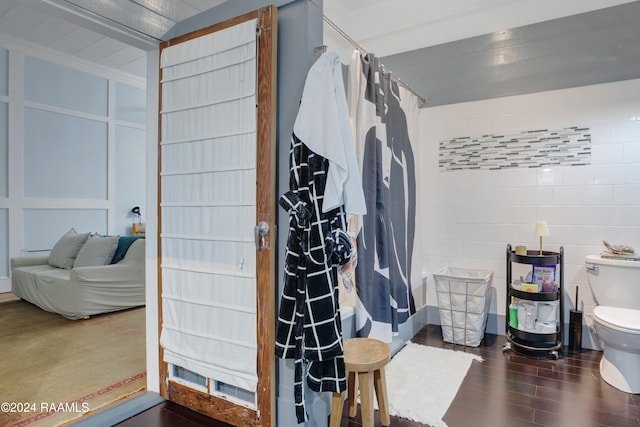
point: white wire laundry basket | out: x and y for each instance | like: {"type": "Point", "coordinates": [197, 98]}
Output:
{"type": "Point", "coordinates": [464, 297]}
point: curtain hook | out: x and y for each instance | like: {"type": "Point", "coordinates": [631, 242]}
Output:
{"type": "Point", "coordinates": [320, 50]}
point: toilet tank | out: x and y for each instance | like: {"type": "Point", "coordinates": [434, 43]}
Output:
{"type": "Point", "coordinates": [614, 283]}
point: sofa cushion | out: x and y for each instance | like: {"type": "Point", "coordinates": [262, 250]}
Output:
{"type": "Point", "coordinates": [98, 250]}
{"type": "Point", "coordinates": [27, 282]}
{"type": "Point", "coordinates": [64, 252]}
{"type": "Point", "coordinates": [123, 246]}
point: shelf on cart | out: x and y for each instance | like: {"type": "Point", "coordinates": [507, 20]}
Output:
{"type": "Point", "coordinates": [534, 257]}
{"type": "Point", "coordinates": [530, 338]}
{"type": "Point", "coordinates": [534, 296]}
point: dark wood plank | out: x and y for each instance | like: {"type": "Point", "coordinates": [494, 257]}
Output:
{"type": "Point", "coordinates": [509, 389]}
{"type": "Point", "coordinates": [169, 414]}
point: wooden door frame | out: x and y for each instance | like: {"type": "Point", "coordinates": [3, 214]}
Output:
{"type": "Point", "coordinates": [207, 404]}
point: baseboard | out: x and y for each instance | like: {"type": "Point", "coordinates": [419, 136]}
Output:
{"type": "Point", "coordinates": [8, 296]}
{"type": "Point", "coordinates": [496, 324]}
{"type": "Point", "coordinates": [121, 411]}
{"type": "Point", "coordinates": [318, 407]}
{"type": "Point", "coordinates": [408, 329]}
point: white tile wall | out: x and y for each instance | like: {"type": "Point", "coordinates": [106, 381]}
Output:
{"type": "Point", "coordinates": [470, 216]}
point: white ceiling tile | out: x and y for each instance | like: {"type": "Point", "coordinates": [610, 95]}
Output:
{"type": "Point", "coordinates": [175, 10]}
{"type": "Point", "coordinates": [20, 19]}
{"type": "Point", "coordinates": [54, 24]}
{"type": "Point", "coordinates": [137, 68]}
{"type": "Point", "coordinates": [76, 41]}
{"type": "Point", "coordinates": [50, 31]}
{"type": "Point", "coordinates": [129, 14]}
{"type": "Point", "coordinates": [102, 48]}
{"type": "Point", "coordinates": [123, 56]}
{"type": "Point", "coordinates": [202, 5]}
{"type": "Point", "coordinates": [5, 5]}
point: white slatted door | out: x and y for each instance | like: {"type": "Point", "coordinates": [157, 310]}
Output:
{"type": "Point", "coordinates": [211, 268]}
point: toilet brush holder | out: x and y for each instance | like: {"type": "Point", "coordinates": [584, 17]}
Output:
{"type": "Point", "coordinates": [575, 327]}
{"type": "Point", "coordinates": [575, 330]}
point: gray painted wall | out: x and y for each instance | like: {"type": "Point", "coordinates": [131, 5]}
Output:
{"type": "Point", "coordinates": [300, 33]}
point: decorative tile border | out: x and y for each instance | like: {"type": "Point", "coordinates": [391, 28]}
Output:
{"type": "Point", "coordinates": [529, 149]}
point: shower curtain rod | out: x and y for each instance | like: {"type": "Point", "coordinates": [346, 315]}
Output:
{"type": "Point", "coordinates": [358, 46]}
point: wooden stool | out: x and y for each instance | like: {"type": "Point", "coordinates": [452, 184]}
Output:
{"type": "Point", "coordinates": [366, 358]}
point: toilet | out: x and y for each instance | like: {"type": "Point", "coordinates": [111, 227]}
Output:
{"type": "Point", "coordinates": [615, 285]}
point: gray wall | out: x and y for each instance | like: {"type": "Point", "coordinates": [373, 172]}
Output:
{"type": "Point", "coordinates": [300, 33]}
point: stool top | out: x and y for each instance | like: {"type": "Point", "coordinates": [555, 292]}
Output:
{"type": "Point", "coordinates": [365, 354]}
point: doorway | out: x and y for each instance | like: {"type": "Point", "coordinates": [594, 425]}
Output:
{"type": "Point", "coordinates": [217, 219]}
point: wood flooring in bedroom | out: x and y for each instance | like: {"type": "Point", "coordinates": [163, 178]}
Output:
{"type": "Point", "coordinates": [507, 389]}
{"type": "Point", "coordinates": [7, 296]}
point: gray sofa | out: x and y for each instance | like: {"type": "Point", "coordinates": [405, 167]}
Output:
{"type": "Point", "coordinates": [80, 292]}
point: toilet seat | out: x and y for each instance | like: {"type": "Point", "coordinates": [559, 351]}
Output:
{"type": "Point", "coordinates": [620, 319]}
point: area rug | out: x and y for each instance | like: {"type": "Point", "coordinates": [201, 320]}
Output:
{"type": "Point", "coordinates": [55, 370]}
{"type": "Point", "coordinates": [422, 382]}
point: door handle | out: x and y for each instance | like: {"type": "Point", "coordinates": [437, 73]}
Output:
{"type": "Point", "coordinates": [261, 231]}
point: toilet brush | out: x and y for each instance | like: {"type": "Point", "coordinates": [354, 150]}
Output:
{"type": "Point", "coordinates": [575, 327]}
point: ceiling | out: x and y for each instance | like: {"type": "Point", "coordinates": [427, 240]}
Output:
{"type": "Point", "coordinates": [468, 50]}
{"type": "Point", "coordinates": [389, 27]}
{"type": "Point", "coordinates": [589, 48]}
{"type": "Point", "coordinates": [117, 33]}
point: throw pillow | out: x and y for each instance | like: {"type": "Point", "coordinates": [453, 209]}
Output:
{"type": "Point", "coordinates": [98, 250]}
{"type": "Point", "coordinates": [123, 247]}
{"type": "Point", "coordinates": [64, 252]}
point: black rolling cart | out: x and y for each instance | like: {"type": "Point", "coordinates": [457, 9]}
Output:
{"type": "Point", "coordinates": [541, 340]}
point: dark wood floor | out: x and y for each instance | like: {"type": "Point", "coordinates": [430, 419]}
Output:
{"type": "Point", "coordinates": [507, 389]}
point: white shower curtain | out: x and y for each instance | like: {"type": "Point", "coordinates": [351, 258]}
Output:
{"type": "Point", "coordinates": [385, 116]}
{"type": "Point", "coordinates": [208, 205]}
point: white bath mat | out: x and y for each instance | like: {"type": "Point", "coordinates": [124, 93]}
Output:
{"type": "Point", "coordinates": [422, 382]}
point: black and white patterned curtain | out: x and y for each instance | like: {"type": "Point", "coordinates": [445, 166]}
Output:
{"type": "Point", "coordinates": [385, 115]}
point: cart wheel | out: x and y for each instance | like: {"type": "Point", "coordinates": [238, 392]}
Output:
{"type": "Point", "coordinates": [506, 347]}
{"type": "Point", "coordinates": [554, 354]}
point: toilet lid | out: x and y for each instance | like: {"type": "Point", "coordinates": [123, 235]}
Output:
{"type": "Point", "coordinates": [617, 318]}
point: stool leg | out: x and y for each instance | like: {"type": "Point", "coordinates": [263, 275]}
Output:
{"type": "Point", "coordinates": [352, 394]}
{"type": "Point", "coordinates": [380, 383]}
{"type": "Point", "coordinates": [337, 404]}
{"type": "Point", "coordinates": [366, 398]}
